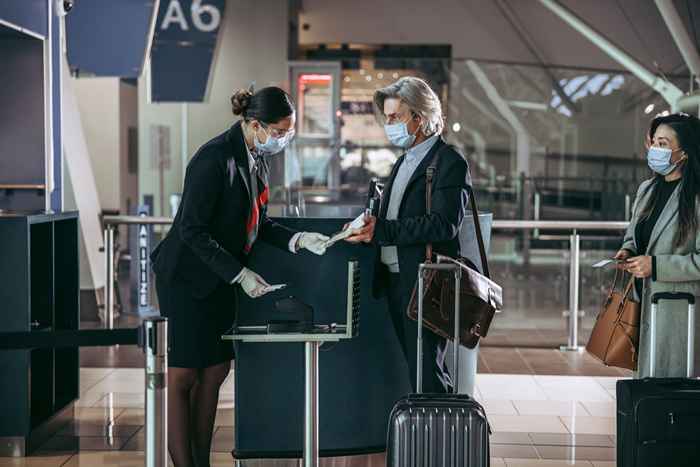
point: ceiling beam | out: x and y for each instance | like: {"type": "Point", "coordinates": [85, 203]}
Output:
{"type": "Point", "coordinates": [680, 35]}
{"type": "Point", "coordinates": [667, 90]}
{"type": "Point", "coordinates": [524, 35]}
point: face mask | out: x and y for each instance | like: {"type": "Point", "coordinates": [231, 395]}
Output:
{"type": "Point", "coordinates": [398, 135]}
{"type": "Point", "coordinates": [659, 160]}
{"type": "Point", "coordinates": [272, 145]}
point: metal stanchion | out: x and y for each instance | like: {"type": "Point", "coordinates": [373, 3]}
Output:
{"type": "Point", "coordinates": [311, 405]}
{"type": "Point", "coordinates": [109, 276]}
{"type": "Point", "coordinates": [152, 337]}
{"type": "Point", "coordinates": [155, 346]}
{"type": "Point", "coordinates": [574, 279]}
{"type": "Point", "coordinates": [525, 206]}
{"type": "Point", "coordinates": [536, 215]}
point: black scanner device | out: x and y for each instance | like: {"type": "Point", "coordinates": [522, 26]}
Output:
{"type": "Point", "coordinates": [299, 316]}
{"type": "Point", "coordinates": [374, 197]}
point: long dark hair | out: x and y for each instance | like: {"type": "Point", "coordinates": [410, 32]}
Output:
{"type": "Point", "coordinates": [268, 105]}
{"type": "Point", "coordinates": [687, 129]}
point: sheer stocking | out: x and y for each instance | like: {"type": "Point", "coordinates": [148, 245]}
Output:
{"type": "Point", "coordinates": [203, 410]}
{"type": "Point", "coordinates": [180, 383]}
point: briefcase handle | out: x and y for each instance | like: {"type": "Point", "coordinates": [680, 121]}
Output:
{"type": "Point", "coordinates": [423, 268]}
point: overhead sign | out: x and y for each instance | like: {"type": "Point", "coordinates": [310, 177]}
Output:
{"type": "Point", "coordinates": [183, 49]}
{"type": "Point", "coordinates": [27, 14]}
{"type": "Point", "coordinates": [108, 38]}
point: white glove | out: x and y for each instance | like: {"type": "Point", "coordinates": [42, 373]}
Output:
{"type": "Point", "coordinates": [252, 284]}
{"type": "Point", "coordinates": [314, 242]}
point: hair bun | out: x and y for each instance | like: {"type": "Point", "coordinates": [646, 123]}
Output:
{"type": "Point", "coordinates": [240, 101]}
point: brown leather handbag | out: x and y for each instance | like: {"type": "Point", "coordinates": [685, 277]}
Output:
{"type": "Point", "coordinates": [615, 336]}
{"type": "Point", "coordinates": [479, 296]}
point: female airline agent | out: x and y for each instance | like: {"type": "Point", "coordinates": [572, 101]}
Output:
{"type": "Point", "coordinates": [201, 261]}
{"type": "Point", "coordinates": [662, 244]}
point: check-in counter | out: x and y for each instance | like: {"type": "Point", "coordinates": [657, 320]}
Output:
{"type": "Point", "coordinates": [361, 378]}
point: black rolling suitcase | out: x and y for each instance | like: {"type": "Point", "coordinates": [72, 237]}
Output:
{"type": "Point", "coordinates": [658, 419]}
{"type": "Point", "coordinates": [437, 430]}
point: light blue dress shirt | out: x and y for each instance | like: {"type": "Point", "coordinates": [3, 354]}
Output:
{"type": "Point", "coordinates": [414, 157]}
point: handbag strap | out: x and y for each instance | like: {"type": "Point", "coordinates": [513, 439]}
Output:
{"type": "Point", "coordinates": [479, 236]}
{"type": "Point", "coordinates": [614, 284]}
{"type": "Point", "coordinates": [626, 290]}
{"type": "Point", "coordinates": [618, 272]}
{"type": "Point", "coordinates": [429, 174]}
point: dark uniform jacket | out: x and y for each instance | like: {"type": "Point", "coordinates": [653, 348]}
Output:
{"type": "Point", "coordinates": [414, 228]}
{"type": "Point", "coordinates": [205, 245]}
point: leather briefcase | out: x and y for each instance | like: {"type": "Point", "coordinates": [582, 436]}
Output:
{"type": "Point", "coordinates": [479, 296]}
{"type": "Point", "coordinates": [615, 336]}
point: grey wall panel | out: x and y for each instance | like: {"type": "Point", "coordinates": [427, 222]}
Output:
{"type": "Point", "coordinates": [22, 116]}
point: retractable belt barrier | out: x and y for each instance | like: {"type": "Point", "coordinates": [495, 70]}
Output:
{"type": "Point", "coordinates": [152, 337]}
{"type": "Point", "coordinates": [57, 339]}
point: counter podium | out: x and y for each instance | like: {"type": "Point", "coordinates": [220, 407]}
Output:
{"type": "Point", "coordinates": [312, 339]}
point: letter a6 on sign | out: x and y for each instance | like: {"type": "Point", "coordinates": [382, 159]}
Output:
{"type": "Point", "coordinates": [206, 18]}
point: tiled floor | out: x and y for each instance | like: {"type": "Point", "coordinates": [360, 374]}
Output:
{"type": "Point", "coordinates": [537, 421]}
{"type": "Point", "coordinates": [541, 361]}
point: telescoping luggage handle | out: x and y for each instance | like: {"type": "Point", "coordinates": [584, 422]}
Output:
{"type": "Point", "coordinates": [690, 298]}
{"type": "Point", "coordinates": [422, 269]}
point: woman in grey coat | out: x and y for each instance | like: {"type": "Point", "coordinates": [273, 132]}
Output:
{"type": "Point", "coordinates": [661, 248]}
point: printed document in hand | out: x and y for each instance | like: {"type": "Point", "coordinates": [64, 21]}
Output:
{"type": "Point", "coordinates": [352, 228]}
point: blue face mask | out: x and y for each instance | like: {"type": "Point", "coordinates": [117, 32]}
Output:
{"type": "Point", "coordinates": [398, 135]}
{"type": "Point", "coordinates": [273, 144]}
{"type": "Point", "coordinates": [659, 160]}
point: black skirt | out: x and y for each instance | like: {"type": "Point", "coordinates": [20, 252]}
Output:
{"type": "Point", "coordinates": [195, 325]}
